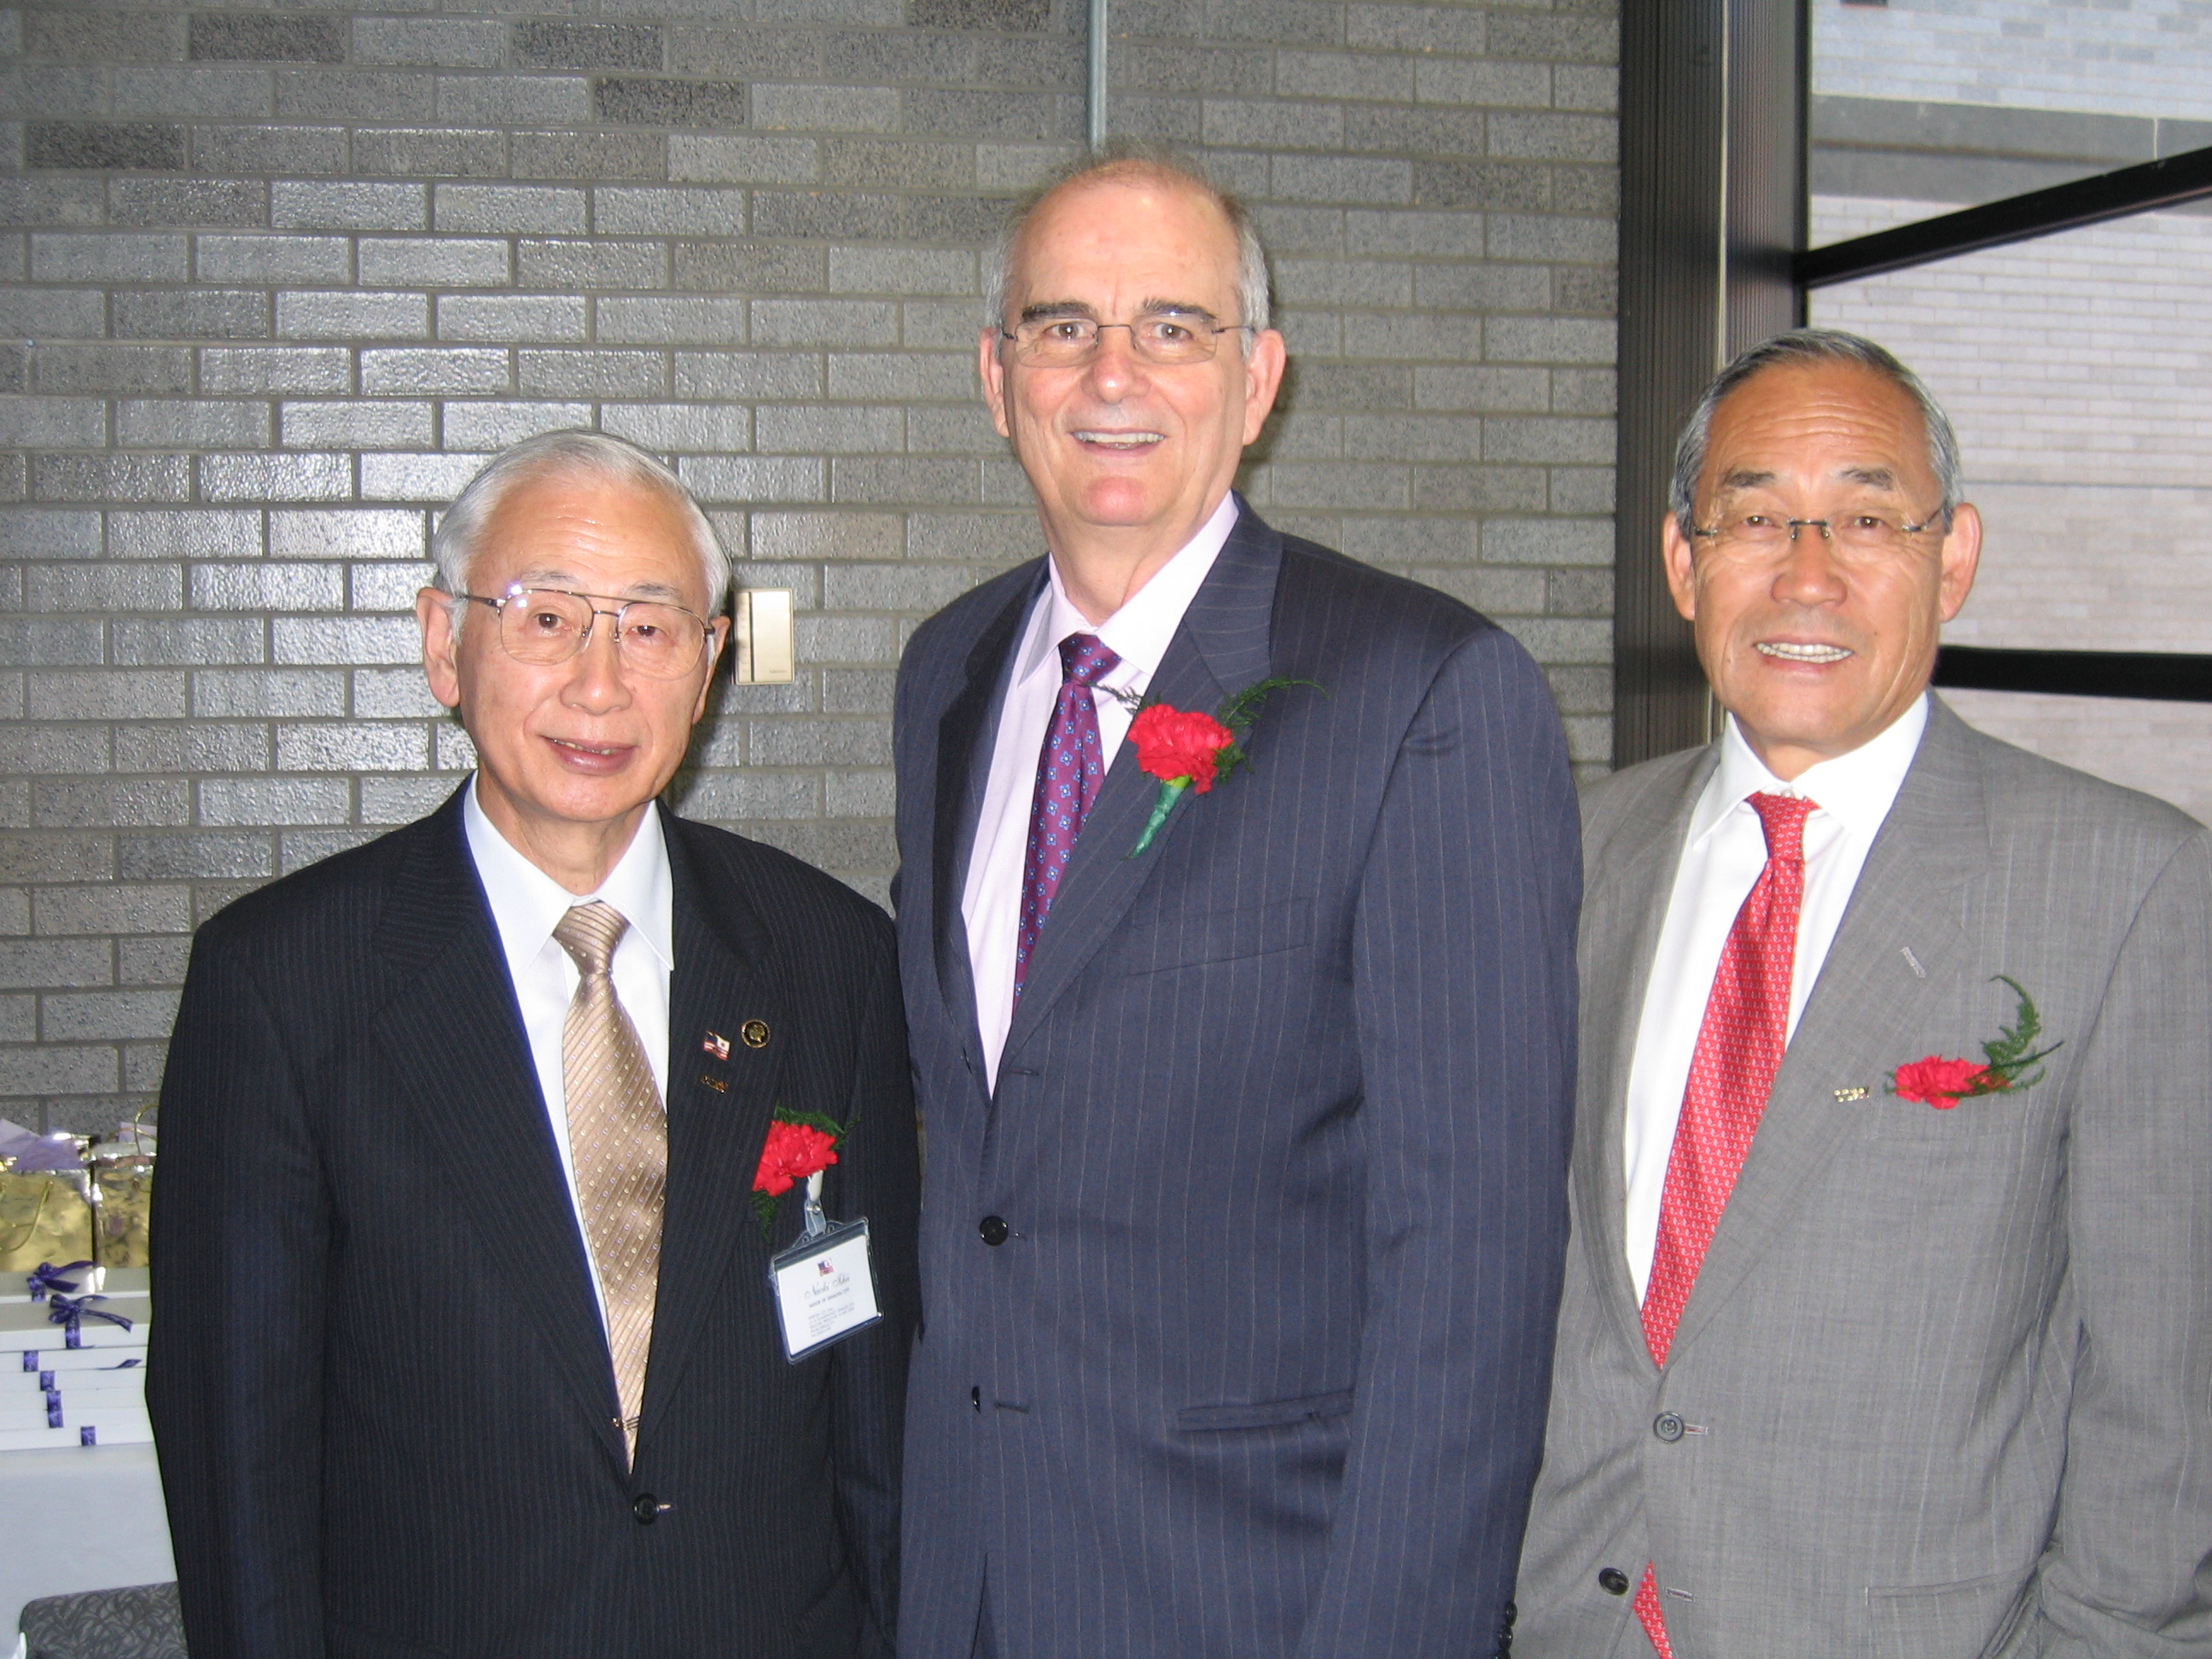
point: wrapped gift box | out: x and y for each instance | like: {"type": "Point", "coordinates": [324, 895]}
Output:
{"type": "Point", "coordinates": [28, 1387]}
{"type": "Point", "coordinates": [16, 1288]}
{"type": "Point", "coordinates": [31, 1325]}
{"type": "Point", "coordinates": [55, 1413]}
{"type": "Point", "coordinates": [123, 1429]}
{"type": "Point", "coordinates": [14, 1362]}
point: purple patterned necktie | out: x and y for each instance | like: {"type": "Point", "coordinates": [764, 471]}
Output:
{"type": "Point", "coordinates": [1069, 768]}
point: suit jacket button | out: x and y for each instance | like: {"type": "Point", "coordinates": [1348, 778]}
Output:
{"type": "Point", "coordinates": [1613, 1581]}
{"type": "Point", "coordinates": [992, 1230]}
{"type": "Point", "coordinates": [646, 1508]}
{"type": "Point", "coordinates": [1666, 1426]}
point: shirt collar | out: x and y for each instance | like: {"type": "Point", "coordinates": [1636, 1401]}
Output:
{"type": "Point", "coordinates": [1857, 788]}
{"type": "Point", "coordinates": [1141, 632]}
{"type": "Point", "coordinates": [527, 904]}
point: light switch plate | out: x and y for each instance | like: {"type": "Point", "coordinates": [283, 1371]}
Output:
{"type": "Point", "coordinates": [761, 627]}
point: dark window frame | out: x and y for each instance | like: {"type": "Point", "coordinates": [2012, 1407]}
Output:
{"type": "Point", "coordinates": [1714, 205]}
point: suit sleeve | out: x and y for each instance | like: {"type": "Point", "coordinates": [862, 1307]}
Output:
{"type": "Point", "coordinates": [234, 1369]}
{"type": "Point", "coordinates": [880, 1177]}
{"type": "Point", "coordinates": [1463, 966]}
{"type": "Point", "coordinates": [2129, 1573]}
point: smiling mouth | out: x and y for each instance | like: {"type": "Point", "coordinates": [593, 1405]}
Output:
{"type": "Point", "coordinates": [1124, 441]}
{"type": "Point", "coordinates": [1790, 650]}
{"type": "Point", "coordinates": [597, 750]}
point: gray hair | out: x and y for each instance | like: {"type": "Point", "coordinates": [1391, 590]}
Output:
{"type": "Point", "coordinates": [1124, 157]}
{"type": "Point", "coordinates": [571, 454]}
{"type": "Point", "coordinates": [1808, 346]}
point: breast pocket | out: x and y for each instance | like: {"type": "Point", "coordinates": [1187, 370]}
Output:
{"type": "Point", "coordinates": [1265, 1413]}
{"type": "Point", "coordinates": [1191, 941]}
{"type": "Point", "coordinates": [1977, 1120]}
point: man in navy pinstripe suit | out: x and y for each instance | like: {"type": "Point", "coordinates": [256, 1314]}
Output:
{"type": "Point", "coordinates": [1245, 1212]}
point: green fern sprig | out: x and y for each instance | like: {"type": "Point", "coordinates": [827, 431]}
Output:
{"type": "Point", "coordinates": [2013, 1050]}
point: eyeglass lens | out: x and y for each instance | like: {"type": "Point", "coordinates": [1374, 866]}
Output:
{"type": "Point", "coordinates": [540, 626]}
{"type": "Point", "coordinates": [1861, 530]}
{"type": "Point", "coordinates": [1160, 338]}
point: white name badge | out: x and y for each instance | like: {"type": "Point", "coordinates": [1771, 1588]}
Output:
{"type": "Point", "coordinates": [825, 1289]}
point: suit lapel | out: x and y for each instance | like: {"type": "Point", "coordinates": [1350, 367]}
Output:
{"type": "Point", "coordinates": [1626, 908]}
{"type": "Point", "coordinates": [1222, 646]}
{"type": "Point", "coordinates": [453, 1038]}
{"type": "Point", "coordinates": [1908, 898]}
{"type": "Point", "coordinates": [723, 985]}
{"type": "Point", "coordinates": [966, 737]}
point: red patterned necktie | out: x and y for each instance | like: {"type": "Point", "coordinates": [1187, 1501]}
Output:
{"type": "Point", "coordinates": [1746, 1027]}
{"type": "Point", "coordinates": [1069, 769]}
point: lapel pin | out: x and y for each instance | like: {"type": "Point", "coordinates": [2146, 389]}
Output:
{"type": "Point", "coordinates": [717, 1045]}
{"type": "Point", "coordinates": [753, 1034]}
{"type": "Point", "coordinates": [1912, 962]}
{"type": "Point", "coordinates": [1844, 1096]}
{"type": "Point", "coordinates": [713, 1083]}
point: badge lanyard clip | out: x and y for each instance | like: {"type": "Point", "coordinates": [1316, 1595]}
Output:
{"type": "Point", "coordinates": [817, 1223]}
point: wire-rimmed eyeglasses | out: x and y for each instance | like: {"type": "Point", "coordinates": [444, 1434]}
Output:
{"type": "Point", "coordinates": [1167, 337]}
{"type": "Point", "coordinates": [542, 626]}
{"type": "Point", "coordinates": [1760, 531]}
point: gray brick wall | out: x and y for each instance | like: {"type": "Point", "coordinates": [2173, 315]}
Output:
{"type": "Point", "coordinates": [273, 280]}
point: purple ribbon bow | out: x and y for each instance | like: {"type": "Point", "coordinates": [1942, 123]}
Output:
{"type": "Point", "coordinates": [46, 1277]}
{"type": "Point", "coordinates": [71, 1312]}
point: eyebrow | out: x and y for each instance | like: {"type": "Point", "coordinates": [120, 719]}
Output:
{"type": "Point", "coordinates": [537, 576]}
{"type": "Point", "coordinates": [1046, 310]}
{"type": "Point", "coordinates": [1873, 477]}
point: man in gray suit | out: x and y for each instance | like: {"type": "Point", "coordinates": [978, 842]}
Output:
{"type": "Point", "coordinates": [1887, 1327]}
{"type": "Point", "coordinates": [1247, 1125]}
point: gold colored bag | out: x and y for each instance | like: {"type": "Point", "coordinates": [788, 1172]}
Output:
{"type": "Point", "coordinates": [44, 1218]}
{"type": "Point", "coordinates": [126, 1187]}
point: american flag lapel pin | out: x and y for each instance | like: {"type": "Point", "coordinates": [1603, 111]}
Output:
{"type": "Point", "coordinates": [717, 1045]}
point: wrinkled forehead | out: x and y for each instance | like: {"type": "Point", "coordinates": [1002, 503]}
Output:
{"type": "Point", "coordinates": [1832, 428]}
{"type": "Point", "coordinates": [593, 533]}
{"type": "Point", "coordinates": [1135, 225]}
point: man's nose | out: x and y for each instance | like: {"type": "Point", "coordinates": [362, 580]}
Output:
{"type": "Point", "coordinates": [1809, 574]}
{"type": "Point", "coordinates": [596, 679]}
{"type": "Point", "coordinates": [1115, 366]}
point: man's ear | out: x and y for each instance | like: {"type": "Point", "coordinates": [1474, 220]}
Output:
{"type": "Point", "coordinates": [718, 635]}
{"type": "Point", "coordinates": [1263, 379]}
{"type": "Point", "coordinates": [994, 371]}
{"type": "Point", "coordinates": [1962, 557]}
{"type": "Point", "coordinates": [434, 613]}
{"type": "Point", "coordinates": [1681, 573]}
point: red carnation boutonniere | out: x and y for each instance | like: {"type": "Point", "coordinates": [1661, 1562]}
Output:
{"type": "Point", "coordinates": [800, 1145]}
{"type": "Point", "coordinates": [2003, 1070]}
{"type": "Point", "coordinates": [1186, 750]}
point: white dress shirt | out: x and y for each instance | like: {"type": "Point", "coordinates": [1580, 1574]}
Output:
{"type": "Point", "coordinates": [1139, 633]}
{"type": "Point", "coordinates": [1725, 851]}
{"type": "Point", "coordinates": [527, 905]}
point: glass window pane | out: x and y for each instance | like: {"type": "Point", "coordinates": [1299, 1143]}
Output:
{"type": "Point", "coordinates": [2078, 369]}
{"type": "Point", "coordinates": [1933, 105]}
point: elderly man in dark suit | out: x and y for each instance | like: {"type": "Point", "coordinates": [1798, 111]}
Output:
{"type": "Point", "coordinates": [1248, 1122]}
{"type": "Point", "coordinates": [466, 1344]}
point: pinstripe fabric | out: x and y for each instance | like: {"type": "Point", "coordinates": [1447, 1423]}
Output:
{"type": "Point", "coordinates": [1279, 1136]}
{"type": "Point", "coordinates": [383, 1401]}
{"type": "Point", "coordinates": [1942, 1376]}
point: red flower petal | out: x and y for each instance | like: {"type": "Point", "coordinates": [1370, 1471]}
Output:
{"type": "Point", "coordinates": [793, 1151]}
{"type": "Point", "coordinates": [1941, 1082]}
{"type": "Point", "coordinates": [1174, 743]}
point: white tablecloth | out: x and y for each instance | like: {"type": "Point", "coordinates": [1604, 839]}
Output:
{"type": "Point", "coordinates": [79, 1518]}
